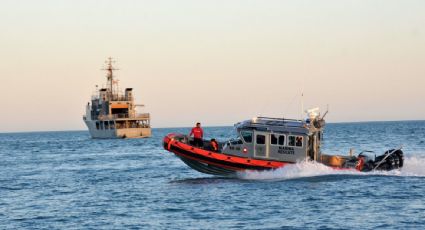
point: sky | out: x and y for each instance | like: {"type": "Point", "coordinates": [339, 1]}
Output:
{"type": "Point", "coordinates": [217, 62]}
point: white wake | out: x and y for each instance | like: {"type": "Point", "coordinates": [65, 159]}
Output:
{"type": "Point", "coordinates": [413, 166]}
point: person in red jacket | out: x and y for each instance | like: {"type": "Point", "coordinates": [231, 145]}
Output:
{"type": "Point", "coordinates": [198, 134]}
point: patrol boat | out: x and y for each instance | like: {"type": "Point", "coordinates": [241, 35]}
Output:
{"type": "Point", "coordinates": [265, 143]}
{"type": "Point", "coordinates": [112, 113]}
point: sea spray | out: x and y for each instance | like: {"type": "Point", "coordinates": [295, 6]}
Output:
{"type": "Point", "coordinates": [413, 166]}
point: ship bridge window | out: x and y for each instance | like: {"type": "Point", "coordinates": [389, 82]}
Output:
{"type": "Point", "coordinates": [247, 136]}
{"type": "Point", "coordinates": [276, 139]}
{"type": "Point", "coordinates": [119, 111]}
{"type": "Point", "coordinates": [296, 141]}
{"type": "Point", "coordinates": [260, 140]}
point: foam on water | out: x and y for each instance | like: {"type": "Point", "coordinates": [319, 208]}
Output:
{"type": "Point", "coordinates": [413, 166]}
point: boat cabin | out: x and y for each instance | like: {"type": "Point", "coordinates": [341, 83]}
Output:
{"type": "Point", "coordinates": [277, 139]}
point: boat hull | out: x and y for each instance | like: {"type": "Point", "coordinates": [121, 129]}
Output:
{"type": "Point", "coordinates": [215, 163]}
{"type": "Point", "coordinates": [116, 133]}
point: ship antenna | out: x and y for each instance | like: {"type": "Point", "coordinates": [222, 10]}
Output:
{"type": "Point", "coordinates": [110, 75]}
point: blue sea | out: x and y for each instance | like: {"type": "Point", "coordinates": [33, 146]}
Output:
{"type": "Point", "coordinates": [66, 180]}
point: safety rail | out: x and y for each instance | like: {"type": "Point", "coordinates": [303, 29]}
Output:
{"type": "Point", "coordinates": [124, 116]}
{"type": "Point", "coordinates": [115, 97]}
{"type": "Point", "coordinates": [276, 121]}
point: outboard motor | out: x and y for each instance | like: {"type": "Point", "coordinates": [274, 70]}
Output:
{"type": "Point", "coordinates": [391, 159]}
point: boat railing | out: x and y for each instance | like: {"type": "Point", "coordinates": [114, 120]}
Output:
{"type": "Point", "coordinates": [114, 97]}
{"type": "Point", "coordinates": [124, 115]}
{"type": "Point", "coordinates": [119, 97]}
{"type": "Point", "coordinates": [142, 115]}
{"type": "Point", "coordinates": [276, 121]}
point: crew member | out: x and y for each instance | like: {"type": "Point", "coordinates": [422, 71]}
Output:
{"type": "Point", "coordinates": [214, 145]}
{"type": "Point", "coordinates": [360, 163]}
{"type": "Point", "coordinates": [198, 134]}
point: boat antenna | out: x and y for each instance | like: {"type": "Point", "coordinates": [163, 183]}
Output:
{"type": "Point", "coordinates": [302, 105]}
{"type": "Point", "coordinates": [302, 98]}
{"type": "Point", "coordinates": [109, 73]}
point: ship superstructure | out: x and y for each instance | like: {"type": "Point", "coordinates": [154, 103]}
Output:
{"type": "Point", "coordinates": [112, 112]}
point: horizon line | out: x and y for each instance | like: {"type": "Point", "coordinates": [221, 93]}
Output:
{"type": "Point", "coordinates": [211, 126]}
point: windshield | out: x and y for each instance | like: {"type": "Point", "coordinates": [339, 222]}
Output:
{"type": "Point", "coordinates": [247, 136]}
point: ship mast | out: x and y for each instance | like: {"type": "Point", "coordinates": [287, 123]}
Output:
{"type": "Point", "coordinates": [110, 76]}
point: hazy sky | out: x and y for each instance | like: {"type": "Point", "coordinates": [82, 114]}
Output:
{"type": "Point", "coordinates": [217, 62]}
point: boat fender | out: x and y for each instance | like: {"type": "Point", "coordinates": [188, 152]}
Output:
{"type": "Point", "coordinates": [360, 164]}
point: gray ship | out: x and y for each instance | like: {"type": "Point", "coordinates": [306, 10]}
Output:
{"type": "Point", "coordinates": [112, 113]}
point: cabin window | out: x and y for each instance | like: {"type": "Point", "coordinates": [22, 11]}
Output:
{"type": "Point", "coordinates": [277, 139]}
{"type": "Point", "coordinates": [97, 125]}
{"type": "Point", "coordinates": [296, 141]}
{"type": "Point", "coordinates": [299, 141]}
{"type": "Point", "coordinates": [237, 142]}
{"type": "Point", "coordinates": [273, 139]}
{"type": "Point", "coordinates": [261, 139]}
{"type": "Point", "coordinates": [291, 140]}
{"type": "Point", "coordinates": [247, 136]}
{"type": "Point", "coordinates": [281, 140]}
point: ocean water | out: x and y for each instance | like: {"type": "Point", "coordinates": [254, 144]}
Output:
{"type": "Point", "coordinates": [65, 180]}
